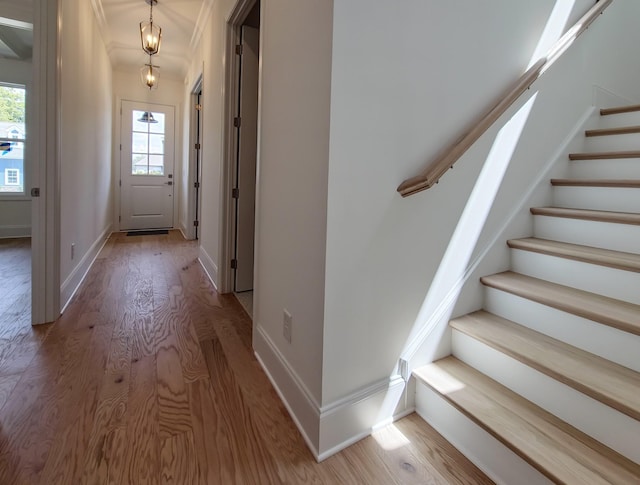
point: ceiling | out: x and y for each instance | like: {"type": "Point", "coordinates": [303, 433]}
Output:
{"type": "Point", "coordinates": [16, 39]}
{"type": "Point", "coordinates": [182, 23]}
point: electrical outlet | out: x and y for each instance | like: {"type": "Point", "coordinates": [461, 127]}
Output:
{"type": "Point", "coordinates": [287, 321]}
{"type": "Point", "coordinates": [73, 250]}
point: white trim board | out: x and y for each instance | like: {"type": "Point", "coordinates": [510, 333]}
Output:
{"type": "Point", "coordinates": [79, 273]}
{"type": "Point", "coordinates": [210, 268]}
{"type": "Point", "coordinates": [331, 428]}
{"type": "Point", "coordinates": [7, 232]}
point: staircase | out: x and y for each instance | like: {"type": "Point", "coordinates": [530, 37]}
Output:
{"type": "Point", "coordinates": [543, 384]}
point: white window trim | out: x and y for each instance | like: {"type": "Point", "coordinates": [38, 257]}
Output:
{"type": "Point", "coordinates": [15, 196]}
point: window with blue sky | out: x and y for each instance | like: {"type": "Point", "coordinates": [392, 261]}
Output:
{"type": "Point", "coordinates": [12, 139]}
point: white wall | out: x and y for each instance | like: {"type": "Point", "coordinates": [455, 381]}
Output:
{"type": "Point", "coordinates": [613, 53]}
{"type": "Point", "coordinates": [208, 61]}
{"type": "Point", "coordinates": [405, 82]}
{"type": "Point", "coordinates": [355, 98]}
{"type": "Point", "coordinates": [85, 143]}
{"type": "Point", "coordinates": [15, 212]}
{"type": "Point", "coordinates": [291, 206]}
{"type": "Point", "coordinates": [128, 87]}
{"type": "Point", "coordinates": [292, 179]}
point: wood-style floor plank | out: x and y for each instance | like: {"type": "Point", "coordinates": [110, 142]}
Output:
{"type": "Point", "coordinates": [150, 377]}
{"type": "Point", "coordinates": [174, 415]}
{"type": "Point", "coordinates": [104, 462]}
{"type": "Point", "coordinates": [65, 461]}
{"type": "Point", "coordinates": [177, 457]}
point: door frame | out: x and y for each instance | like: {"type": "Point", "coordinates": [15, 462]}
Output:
{"type": "Point", "coordinates": [229, 138]}
{"type": "Point", "coordinates": [118, 166]}
{"type": "Point", "coordinates": [194, 196]}
{"type": "Point", "coordinates": [45, 161]}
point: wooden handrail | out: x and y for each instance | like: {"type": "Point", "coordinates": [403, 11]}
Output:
{"type": "Point", "coordinates": [452, 152]}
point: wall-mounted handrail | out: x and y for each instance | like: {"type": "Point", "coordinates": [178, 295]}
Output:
{"type": "Point", "coordinates": [452, 152]}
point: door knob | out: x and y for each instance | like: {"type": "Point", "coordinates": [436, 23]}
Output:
{"type": "Point", "coordinates": [169, 183]}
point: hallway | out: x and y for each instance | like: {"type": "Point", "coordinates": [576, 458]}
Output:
{"type": "Point", "coordinates": [149, 377]}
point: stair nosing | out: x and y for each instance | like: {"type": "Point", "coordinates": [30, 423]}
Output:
{"type": "Point", "coordinates": [553, 353]}
{"type": "Point", "coordinates": [621, 130]}
{"type": "Point", "coordinates": [607, 311]}
{"type": "Point", "coordinates": [604, 155]}
{"type": "Point", "coordinates": [609, 183]}
{"type": "Point", "coordinates": [629, 218]}
{"type": "Point", "coordinates": [518, 407]}
{"type": "Point", "coordinates": [619, 110]}
{"type": "Point", "coordinates": [587, 254]}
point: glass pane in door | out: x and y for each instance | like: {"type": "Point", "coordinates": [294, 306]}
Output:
{"type": "Point", "coordinates": [147, 143]}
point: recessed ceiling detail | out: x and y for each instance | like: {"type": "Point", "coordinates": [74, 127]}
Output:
{"type": "Point", "coordinates": [182, 24]}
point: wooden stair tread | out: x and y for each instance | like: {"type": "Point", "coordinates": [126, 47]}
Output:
{"type": "Point", "coordinates": [622, 130]}
{"type": "Point", "coordinates": [620, 109]}
{"type": "Point", "coordinates": [604, 155]}
{"type": "Point", "coordinates": [607, 311]}
{"type": "Point", "coordinates": [616, 183]}
{"type": "Point", "coordinates": [590, 215]}
{"type": "Point", "coordinates": [587, 254]}
{"type": "Point", "coordinates": [556, 449]}
{"type": "Point", "coordinates": [601, 379]}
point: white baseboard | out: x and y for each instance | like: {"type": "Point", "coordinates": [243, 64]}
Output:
{"type": "Point", "coordinates": [302, 406]}
{"type": "Point", "coordinates": [78, 274]}
{"type": "Point", "coordinates": [333, 427]}
{"type": "Point", "coordinates": [355, 417]}
{"type": "Point", "coordinates": [210, 268]}
{"type": "Point", "coordinates": [187, 233]}
{"type": "Point", "coordinates": [7, 232]}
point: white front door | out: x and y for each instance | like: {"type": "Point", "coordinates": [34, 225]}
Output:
{"type": "Point", "coordinates": [146, 166]}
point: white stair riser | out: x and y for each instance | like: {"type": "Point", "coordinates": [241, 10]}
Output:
{"type": "Point", "coordinates": [607, 342]}
{"type": "Point", "coordinates": [611, 282]}
{"type": "Point", "coordinates": [612, 143]}
{"type": "Point", "coordinates": [619, 120]}
{"type": "Point", "coordinates": [612, 428]}
{"type": "Point", "coordinates": [623, 168]}
{"type": "Point", "coordinates": [598, 198]}
{"type": "Point", "coordinates": [607, 235]}
{"type": "Point", "coordinates": [496, 460]}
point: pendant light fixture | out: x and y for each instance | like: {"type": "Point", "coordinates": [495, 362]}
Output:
{"type": "Point", "coordinates": [149, 75]}
{"type": "Point", "coordinates": [147, 117]}
{"type": "Point", "coordinates": [150, 34]}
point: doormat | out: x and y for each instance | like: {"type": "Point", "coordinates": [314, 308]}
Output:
{"type": "Point", "coordinates": [148, 233]}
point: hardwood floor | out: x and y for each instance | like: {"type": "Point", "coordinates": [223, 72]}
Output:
{"type": "Point", "coordinates": [18, 340]}
{"type": "Point", "coordinates": [149, 377]}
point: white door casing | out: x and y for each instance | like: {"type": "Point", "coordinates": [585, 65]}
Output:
{"type": "Point", "coordinates": [146, 166]}
{"type": "Point", "coordinates": [246, 163]}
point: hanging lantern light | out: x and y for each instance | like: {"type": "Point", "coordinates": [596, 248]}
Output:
{"type": "Point", "coordinates": [150, 33]}
{"type": "Point", "coordinates": [149, 75]}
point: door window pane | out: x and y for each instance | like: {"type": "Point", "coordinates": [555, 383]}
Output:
{"type": "Point", "coordinates": [156, 165]}
{"type": "Point", "coordinates": [159, 126]}
{"type": "Point", "coordinates": [140, 164]}
{"type": "Point", "coordinates": [147, 143]}
{"type": "Point", "coordinates": [140, 143]}
{"type": "Point", "coordinates": [12, 138]}
{"type": "Point", "coordinates": [156, 144]}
